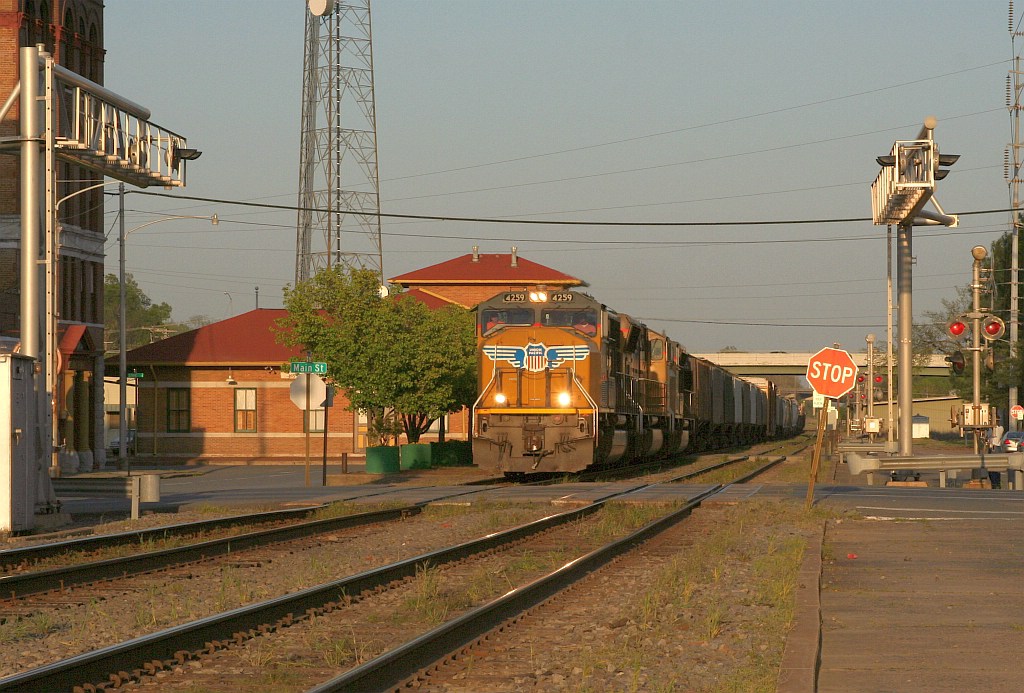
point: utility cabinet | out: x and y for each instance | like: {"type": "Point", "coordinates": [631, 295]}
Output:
{"type": "Point", "coordinates": [17, 444]}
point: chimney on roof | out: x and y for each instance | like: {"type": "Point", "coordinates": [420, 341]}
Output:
{"type": "Point", "coordinates": [476, 253]}
{"type": "Point", "coordinates": [515, 260]}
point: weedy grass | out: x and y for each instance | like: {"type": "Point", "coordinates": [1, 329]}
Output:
{"type": "Point", "coordinates": [733, 589]}
{"type": "Point", "coordinates": [34, 626]}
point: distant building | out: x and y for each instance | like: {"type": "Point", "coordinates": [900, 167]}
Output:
{"type": "Point", "coordinates": [469, 279]}
{"type": "Point", "coordinates": [72, 32]}
{"type": "Point", "coordinates": [219, 393]}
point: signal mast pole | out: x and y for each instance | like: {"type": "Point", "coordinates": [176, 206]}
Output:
{"type": "Point", "coordinates": [899, 194]}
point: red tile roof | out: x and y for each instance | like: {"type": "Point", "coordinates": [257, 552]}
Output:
{"type": "Point", "coordinates": [242, 340]}
{"type": "Point", "coordinates": [488, 268]}
{"type": "Point", "coordinates": [429, 299]}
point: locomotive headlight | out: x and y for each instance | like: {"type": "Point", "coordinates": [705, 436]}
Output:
{"type": "Point", "coordinates": [538, 296]}
{"type": "Point", "coordinates": [564, 399]}
{"type": "Point", "coordinates": [499, 398]}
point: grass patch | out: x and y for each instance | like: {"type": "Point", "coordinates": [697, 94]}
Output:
{"type": "Point", "coordinates": [732, 593]}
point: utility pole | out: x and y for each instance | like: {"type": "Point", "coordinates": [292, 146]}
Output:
{"type": "Point", "coordinates": [1014, 85]}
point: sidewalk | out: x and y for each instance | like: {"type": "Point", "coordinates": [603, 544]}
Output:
{"type": "Point", "coordinates": [908, 606]}
{"type": "Point", "coordinates": [922, 606]}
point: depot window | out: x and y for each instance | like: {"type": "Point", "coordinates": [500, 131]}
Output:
{"type": "Point", "coordinates": [314, 422]}
{"type": "Point", "coordinates": [179, 410]}
{"type": "Point", "coordinates": [245, 410]}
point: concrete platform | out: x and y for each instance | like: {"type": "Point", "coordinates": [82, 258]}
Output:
{"type": "Point", "coordinates": [922, 606]}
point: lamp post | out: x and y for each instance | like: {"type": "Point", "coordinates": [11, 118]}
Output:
{"type": "Point", "coordinates": [122, 456]}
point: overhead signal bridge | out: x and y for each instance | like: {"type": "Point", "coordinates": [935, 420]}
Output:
{"type": "Point", "coordinates": [106, 133]}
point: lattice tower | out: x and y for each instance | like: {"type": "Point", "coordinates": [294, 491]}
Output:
{"type": "Point", "coordinates": [339, 190]}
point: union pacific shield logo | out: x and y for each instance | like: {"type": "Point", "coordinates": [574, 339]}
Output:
{"type": "Point", "coordinates": [537, 357]}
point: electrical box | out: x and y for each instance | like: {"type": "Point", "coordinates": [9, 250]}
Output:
{"type": "Point", "coordinates": [976, 418]}
{"type": "Point", "coordinates": [17, 442]}
{"type": "Point", "coordinates": [872, 424]}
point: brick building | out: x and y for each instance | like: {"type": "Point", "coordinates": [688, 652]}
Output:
{"type": "Point", "coordinates": [219, 392]}
{"type": "Point", "coordinates": [72, 32]}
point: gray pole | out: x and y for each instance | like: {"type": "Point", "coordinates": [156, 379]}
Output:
{"type": "Point", "coordinates": [890, 430]}
{"type": "Point", "coordinates": [870, 339]}
{"type": "Point", "coordinates": [30, 156]}
{"type": "Point", "coordinates": [904, 327]}
{"type": "Point", "coordinates": [122, 331]}
{"type": "Point", "coordinates": [979, 253]}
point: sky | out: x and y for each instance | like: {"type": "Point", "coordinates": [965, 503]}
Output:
{"type": "Point", "coordinates": [738, 140]}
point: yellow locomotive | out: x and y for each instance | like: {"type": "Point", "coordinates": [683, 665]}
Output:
{"type": "Point", "coordinates": [567, 384]}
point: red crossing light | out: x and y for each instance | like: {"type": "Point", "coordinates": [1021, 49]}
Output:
{"type": "Point", "coordinates": [994, 328]}
{"type": "Point", "coordinates": [957, 328]}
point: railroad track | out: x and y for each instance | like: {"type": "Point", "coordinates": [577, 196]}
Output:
{"type": "Point", "coordinates": [175, 646]}
{"type": "Point", "coordinates": [290, 527]}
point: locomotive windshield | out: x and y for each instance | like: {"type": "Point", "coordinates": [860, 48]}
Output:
{"type": "Point", "coordinates": [494, 319]}
{"type": "Point", "coordinates": [584, 321]}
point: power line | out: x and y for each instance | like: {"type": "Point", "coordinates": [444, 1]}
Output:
{"type": "Point", "coordinates": [547, 222]}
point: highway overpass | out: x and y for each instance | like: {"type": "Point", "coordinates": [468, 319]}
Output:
{"type": "Point", "coordinates": [766, 364]}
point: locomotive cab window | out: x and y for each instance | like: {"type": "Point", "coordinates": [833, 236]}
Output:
{"type": "Point", "coordinates": [657, 350]}
{"type": "Point", "coordinates": [584, 321]}
{"type": "Point", "coordinates": [495, 319]}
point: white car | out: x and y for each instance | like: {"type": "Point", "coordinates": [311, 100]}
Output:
{"type": "Point", "coordinates": [1011, 441]}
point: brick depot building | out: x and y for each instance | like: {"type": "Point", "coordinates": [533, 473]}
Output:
{"type": "Point", "coordinates": [223, 392]}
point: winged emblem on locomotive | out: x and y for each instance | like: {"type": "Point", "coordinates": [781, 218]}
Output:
{"type": "Point", "coordinates": [537, 357]}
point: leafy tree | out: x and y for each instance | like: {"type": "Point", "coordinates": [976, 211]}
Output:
{"type": "Point", "coordinates": [441, 347]}
{"type": "Point", "coordinates": [397, 360]}
{"type": "Point", "coordinates": [140, 313]}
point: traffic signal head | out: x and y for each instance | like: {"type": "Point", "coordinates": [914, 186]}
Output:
{"type": "Point", "coordinates": [957, 327]}
{"type": "Point", "coordinates": [943, 160]}
{"type": "Point", "coordinates": [993, 327]}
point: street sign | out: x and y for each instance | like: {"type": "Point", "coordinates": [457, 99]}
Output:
{"type": "Point", "coordinates": [317, 392]}
{"type": "Point", "coordinates": [314, 367]}
{"type": "Point", "coordinates": [134, 375]}
{"type": "Point", "coordinates": [1017, 412]}
{"type": "Point", "coordinates": [832, 372]}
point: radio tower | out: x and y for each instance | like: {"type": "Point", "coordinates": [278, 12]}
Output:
{"type": "Point", "coordinates": [1012, 172]}
{"type": "Point", "coordinates": [339, 191]}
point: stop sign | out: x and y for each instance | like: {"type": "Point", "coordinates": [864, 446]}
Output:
{"type": "Point", "coordinates": [832, 372]}
{"type": "Point", "coordinates": [317, 391]}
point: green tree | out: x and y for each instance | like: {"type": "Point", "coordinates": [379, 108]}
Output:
{"type": "Point", "coordinates": [398, 361]}
{"type": "Point", "coordinates": [140, 313]}
{"type": "Point", "coordinates": [440, 349]}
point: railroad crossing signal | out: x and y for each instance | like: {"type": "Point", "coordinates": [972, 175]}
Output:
{"type": "Point", "coordinates": [832, 372]}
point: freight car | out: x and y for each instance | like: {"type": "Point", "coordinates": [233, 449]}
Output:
{"type": "Point", "coordinates": [567, 383]}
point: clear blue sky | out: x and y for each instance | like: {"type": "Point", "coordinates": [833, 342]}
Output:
{"type": "Point", "coordinates": [591, 110]}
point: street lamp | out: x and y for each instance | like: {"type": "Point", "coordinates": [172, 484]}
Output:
{"type": "Point", "coordinates": [122, 455]}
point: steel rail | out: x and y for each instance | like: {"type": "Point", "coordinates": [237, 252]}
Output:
{"type": "Point", "coordinates": [63, 577]}
{"type": "Point", "coordinates": [29, 554]}
{"type": "Point", "coordinates": [148, 653]}
{"type": "Point", "coordinates": [396, 667]}
{"type": "Point", "coordinates": [37, 552]}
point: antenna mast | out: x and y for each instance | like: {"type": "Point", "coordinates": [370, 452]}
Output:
{"type": "Point", "coordinates": [339, 188]}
